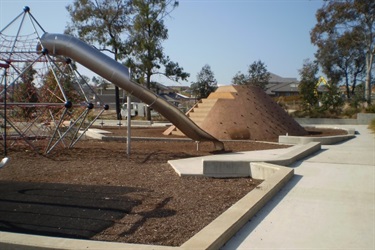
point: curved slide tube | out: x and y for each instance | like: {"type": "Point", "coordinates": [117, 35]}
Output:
{"type": "Point", "coordinates": [106, 67]}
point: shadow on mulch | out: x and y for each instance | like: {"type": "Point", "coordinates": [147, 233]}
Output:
{"type": "Point", "coordinates": [63, 210]}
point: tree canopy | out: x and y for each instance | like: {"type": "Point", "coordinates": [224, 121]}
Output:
{"type": "Point", "coordinates": [345, 36]}
{"type": "Point", "coordinates": [147, 31]}
{"type": "Point", "coordinates": [132, 30]}
{"type": "Point", "coordinates": [258, 75]}
{"type": "Point", "coordinates": [61, 80]}
{"type": "Point", "coordinates": [307, 86]}
{"type": "Point", "coordinates": [205, 84]}
{"type": "Point", "coordinates": [25, 91]}
{"type": "Point", "coordinates": [100, 22]}
{"type": "Point", "coordinates": [103, 23]}
{"type": "Point", "coordinates": [314, 101]}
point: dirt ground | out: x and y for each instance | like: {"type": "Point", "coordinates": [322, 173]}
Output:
{"type": "Point", "coordinates": [94, 191]}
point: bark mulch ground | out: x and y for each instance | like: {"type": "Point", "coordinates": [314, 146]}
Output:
{"type": "Point", "coordinates": [94, 191]}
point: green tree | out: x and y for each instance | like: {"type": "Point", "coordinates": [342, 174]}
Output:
{"type": "Point", "coordinates": [258, 75]}
{"type": "Point", "coordinates": [26, 92]}
{"type": "Point", "coordinates": [59, 85]}
{"type": "Point", "coordinates": [353, 23]}
{"type": "Point", "coordinates": [331, 99]}
{"type": "Point", "coordinates": [307, 86]}
{"type": "Point", "coordinates": [342, 59]}
{"type": "Point", "coordinates": [147, 32]}
{"type": "Point", "coordinates": [104, 23]}
{"type": "Point", "coordinates": [358, 97]}
{"type": "Point", "coordinates": [205, 84]}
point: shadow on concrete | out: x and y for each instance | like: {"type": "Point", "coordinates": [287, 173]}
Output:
{"type": "Point", "coordinates": [62, 210]}
{"type": "Point", "coordinates": [299, 162]}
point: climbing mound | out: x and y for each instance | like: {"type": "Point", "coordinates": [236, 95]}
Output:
{"type": "Point", "coordinates": [242, 112]}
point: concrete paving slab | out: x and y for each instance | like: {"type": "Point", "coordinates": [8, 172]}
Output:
{"type": "Point", "coordinates": [194, 165]}
{"type": "Point", "coordinates": [334, 211]}
{"type": "Point", "coordinates": [284, 157]}
{"type": "Point", "coordinates": [346, 155]}
{"type": "Point", "coordinates": [329, 203]}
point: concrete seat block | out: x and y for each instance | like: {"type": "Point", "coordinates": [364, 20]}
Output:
{"type": "Point", "coordinates": [226, 169]}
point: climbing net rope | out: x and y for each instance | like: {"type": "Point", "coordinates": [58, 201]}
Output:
{"type": "Point", "coordinates": [21, 48]}
{"type": "Point", "coordinates": [44, 101]}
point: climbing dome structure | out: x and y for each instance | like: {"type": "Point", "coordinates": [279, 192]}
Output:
{"type": "Point", "coordinates": [241, 112]}
{"type": "Point", "coordinates": [44, 100]}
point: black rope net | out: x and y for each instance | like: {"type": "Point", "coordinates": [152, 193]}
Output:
{"type": "Point", "coordinates": [21, 48]}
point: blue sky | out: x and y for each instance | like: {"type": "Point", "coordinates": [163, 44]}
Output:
{"type": "Point", "coordinates": [228, 35]}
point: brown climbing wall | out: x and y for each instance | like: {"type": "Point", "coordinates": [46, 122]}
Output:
{"type": "Point", "coordinates": [247, 112]}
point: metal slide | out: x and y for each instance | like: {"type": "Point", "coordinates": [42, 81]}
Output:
{"type": "Point", "coordinates": [106, 67]}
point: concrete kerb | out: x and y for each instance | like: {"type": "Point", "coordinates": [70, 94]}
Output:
{"type": "Point", "coordinates": [242, 168]}
{"type": "Point", "coordinates": [326, 140]}
{"type": "Point", "coordinates": [96, 133]}
{"type": "Point", "coordinates": [297, 153]}
{"type": "Point", "coordinates": [218, 232]}
{"type": "Point", "coordinates": [12, 241]}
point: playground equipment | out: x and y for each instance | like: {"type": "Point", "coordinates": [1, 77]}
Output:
{"type": "Point", "coordinates": [45, 97]}
{"type": "Point", "coordinates": [45, 101]}
{"type": "Point", "coordinates": [4, 161]}
{"type": "Point", "coordinates": [111, 70]}
{"type": "Point", "coordinates": [241, 112]}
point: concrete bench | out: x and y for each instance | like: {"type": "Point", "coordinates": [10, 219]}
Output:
{"type": "Point", "coordinates": [243, 168]}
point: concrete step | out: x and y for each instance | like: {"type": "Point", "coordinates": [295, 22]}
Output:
{"type": "Point", "coordinates": [212, 100]}
{"type": "Point", "coordinates": [197, 114]}
{"type": "Point", "coordinates": [198, 119]}
{"type": "Point", "coordinates": [206, 104]}
{"type": "Point", "coordinates": [204, 108]}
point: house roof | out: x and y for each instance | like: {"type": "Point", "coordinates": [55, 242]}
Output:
{"type": "Point", "coordinates": [283, 87]}
{"type": "Point", "coordinates": [162, 86]}
{"type": "Point", "coordinates": [169, 97]}
{"type": "Point", "coordinates": [281, 84]}
{"type": "Point", "coordinates": [278, 79]}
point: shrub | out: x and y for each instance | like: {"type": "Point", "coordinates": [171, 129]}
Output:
{"type": "Point", "coordinates": [350, 112]}
{"type": "Point", "coordinates": [370, 109]}
{"type": "Point", "coordinates": [372, 126]}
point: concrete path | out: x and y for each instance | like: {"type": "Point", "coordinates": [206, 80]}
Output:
{"type": "Point", "coordinates": [194, 165]}
{"type": "Point", "coordinates": [200, 165]}
{"type": "Point", "coordinates": [329, 203]}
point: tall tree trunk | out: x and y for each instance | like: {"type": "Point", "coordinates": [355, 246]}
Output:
{"type": "Point", "coordinates": [347, 85]}
{"type": "Point", "coordinates": [118, 107]}
{"type": "Point", "coordinates": [354, 84]}
{"type": "Point", "coordinates": [117, 91]}
{"type": "Point", "coordinates": [369, 61]}
{"type": "Point", "coordinates": [148, 108]}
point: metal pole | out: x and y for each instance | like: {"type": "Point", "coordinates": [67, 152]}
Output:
{"type": "Point", "coordinates": [5, 159]}
{"type": "Point", "coordinates": [5, 113]}
{"type": "Point", "coordinates": [129, 121]}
